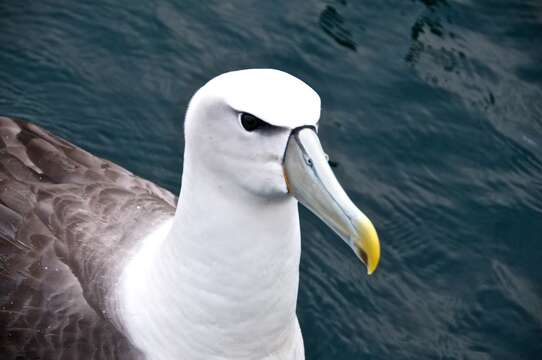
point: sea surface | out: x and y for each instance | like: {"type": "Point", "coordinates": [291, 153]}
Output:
{"type": "Point", "coordinates": [432, 111]}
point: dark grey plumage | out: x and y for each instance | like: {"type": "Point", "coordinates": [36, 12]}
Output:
{"type": "Point", "coordinates": [68, 219]}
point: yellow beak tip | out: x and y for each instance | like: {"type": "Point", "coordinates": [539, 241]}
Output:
{"type": "Point", "coordinates": [371, 268]}
{"type": "Point", "coordinates": [369, 244]}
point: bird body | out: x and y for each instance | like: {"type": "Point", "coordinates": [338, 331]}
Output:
{"type": "Point", "coordinates": [98, 263]}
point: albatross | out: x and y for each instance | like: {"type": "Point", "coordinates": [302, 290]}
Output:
{"type": "Point", "coordinates": [97, 263]}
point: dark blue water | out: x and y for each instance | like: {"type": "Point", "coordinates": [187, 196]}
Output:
{"type": "Point", "coordinates": [432, 110]}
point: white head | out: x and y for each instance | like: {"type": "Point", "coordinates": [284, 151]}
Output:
{"type": "Point", "coordinates": [249, 159]}
{"type": "Point", "coordinates": [238, 129]}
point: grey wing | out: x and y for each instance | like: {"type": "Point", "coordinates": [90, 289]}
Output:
{"type": "Point", "coordinates": [68, 220]}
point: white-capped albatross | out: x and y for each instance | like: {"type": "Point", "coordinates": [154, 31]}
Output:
{"type": "Point", "coordinates": [97, 263]}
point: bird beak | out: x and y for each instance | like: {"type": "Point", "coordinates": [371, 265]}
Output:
{"type": "Point", "coordinates": [311, 181]}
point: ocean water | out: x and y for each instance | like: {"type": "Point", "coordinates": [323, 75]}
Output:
{"type": "Point", "coordinates": [432, 111]}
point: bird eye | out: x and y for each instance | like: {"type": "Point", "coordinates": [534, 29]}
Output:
{"type": "Point", "coordinates": [251, 122]}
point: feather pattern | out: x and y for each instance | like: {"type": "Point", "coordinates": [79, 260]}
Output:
{"type": "Point", "coordinates": [68, 219]}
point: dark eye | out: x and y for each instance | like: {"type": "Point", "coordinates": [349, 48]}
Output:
{"type": "Point", "coordinates": [251, 122]}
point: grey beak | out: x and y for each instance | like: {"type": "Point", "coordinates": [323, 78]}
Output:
{"type": "Point", "coordinates": [311, 181]}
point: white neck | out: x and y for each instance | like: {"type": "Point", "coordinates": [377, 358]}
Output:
{"type": "Point", "coordinates": [219, 280]}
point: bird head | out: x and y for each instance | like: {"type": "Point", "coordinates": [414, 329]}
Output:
{"type": "Point", "coordinates": [256, 130]}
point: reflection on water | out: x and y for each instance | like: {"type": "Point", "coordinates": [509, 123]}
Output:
{"type": "Point", "coordinates": [432, 109]}
{"type": "Point", "coordinates": [334, 25]}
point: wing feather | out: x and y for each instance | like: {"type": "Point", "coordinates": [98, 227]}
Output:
{"type": "Point", "coordinates": [67, 221]}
